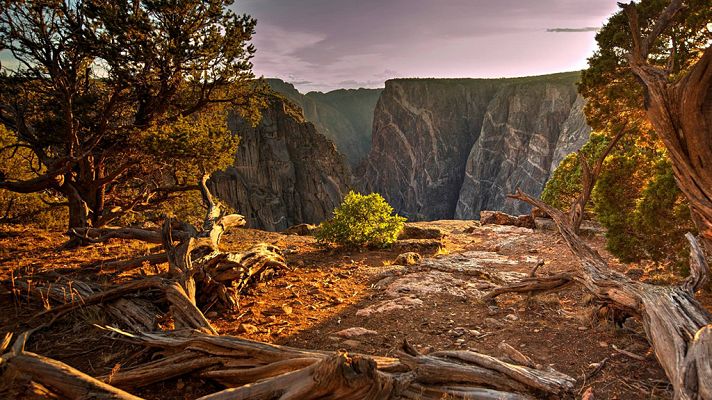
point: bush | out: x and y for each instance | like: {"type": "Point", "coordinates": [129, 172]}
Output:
{"type": "Point", "coordinates": [362, 220]}
{"type": "Point", "coordinates": [635, 198]}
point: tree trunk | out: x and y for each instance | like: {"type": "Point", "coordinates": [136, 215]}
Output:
{"type": "Point", "coordinates": [680, 112]}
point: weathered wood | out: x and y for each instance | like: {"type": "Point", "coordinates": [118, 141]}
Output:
{"type": "Point", "coordinates": [62, 379]}
{"type": "Point", "coordinates": [533, 285]}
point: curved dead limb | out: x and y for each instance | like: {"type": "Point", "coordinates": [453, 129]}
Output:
{"type": "Point", "coordinates": [100, 235]}
{"type": "Point", "coordinates": [676, 325]}
{"type": "Point", "coordinates": [532, 285]}
{"type": "Point", "coordinates": [57, 378]}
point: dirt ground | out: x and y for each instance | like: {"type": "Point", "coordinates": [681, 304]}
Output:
{"type": "Point", "coordinates": [434, 305]}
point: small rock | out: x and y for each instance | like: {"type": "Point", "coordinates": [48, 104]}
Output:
{"type": "Point", "coordinates": [582, 328]}
{"type": "Point", "coordinates": [460, 341]}
{"type": "Point", "coordinates": [248, 328]}
{"type": "Point", "coordinates": [475, 332]}
{"type": "Point", "coordinates": [511, 317]}
{"type": "Point", "coordinates": [409, 258]}
{"type": "Point", "coordinates": [180, 385]}
{"type": "Point", "coordinates": [212, 314]}
{"type": "Point", "coordinates": [603, 344]}
{"type": "Point", "coordinates": [355, 331]}
{"type": "Point", "coordinates": [493, 323]}
{"type": "Point", "coordinates": [457, 332]}
{"type": "Point", "coordinates": [533, 251]}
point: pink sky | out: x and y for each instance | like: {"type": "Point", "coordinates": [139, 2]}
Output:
{"type": "Point", "coordinates": [328, 44]}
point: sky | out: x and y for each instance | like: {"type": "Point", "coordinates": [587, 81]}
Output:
{"type": "Point", "coordinates": [328, 44]}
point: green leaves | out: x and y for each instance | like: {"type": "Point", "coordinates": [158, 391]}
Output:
{"type": "Point", "coordinates": [362, 220]}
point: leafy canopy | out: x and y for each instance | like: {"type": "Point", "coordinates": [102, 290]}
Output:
{"type": "Point", "coordinates": [123, 104]}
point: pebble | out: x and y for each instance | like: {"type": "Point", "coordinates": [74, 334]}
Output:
{"type": "Point", "coordinates": [511, 317]}
{"type": "Point", "coordinates": [493, 322]}
{"type": "Point", "coordinates": [582, 328]}
{"type": "Point", "coordinates": [248, 328]}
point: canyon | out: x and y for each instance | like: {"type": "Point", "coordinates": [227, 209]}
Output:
{"type": "Point", "coordinates": [345, 116]}
{"type": "Point", "coordinates": [285, 171]}
{"type": "Point", "coordinates": [433, 148]}
{"type": "Point", "coordinates": [450, 148]}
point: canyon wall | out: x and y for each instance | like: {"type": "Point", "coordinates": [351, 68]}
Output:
{"type": "Point", "coordinates": [449, 148]}
{"type": "Point", "coordinates": [285, 172]}
{"type": "Point", "coordinates": [345, 116]}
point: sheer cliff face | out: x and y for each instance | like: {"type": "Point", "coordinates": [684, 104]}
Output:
{"type": "Point", "coordinates": [345, 116]}
{"type": "Point", "coordinates": [285, 172]}
{"type": "Point", "coordinates": [450, 148]}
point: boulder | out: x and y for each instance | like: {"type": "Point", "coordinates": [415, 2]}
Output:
{"type": "Point", "coordinates": [500, 218]}
{"type": "Point", "coordinates": [417, 232]}
{"type": "Point", "coordinates": [409, 258]}
{"type": "Point", "coordinates": [300, 230]}
{"type": "Point", "coordinates": [417, 245]}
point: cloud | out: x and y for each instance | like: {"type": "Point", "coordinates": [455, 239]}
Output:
{"type": "Point", "coordinates": [569, 30]}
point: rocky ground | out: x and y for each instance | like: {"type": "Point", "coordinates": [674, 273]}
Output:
{"type": "Point", "coordinates": [362, 302]}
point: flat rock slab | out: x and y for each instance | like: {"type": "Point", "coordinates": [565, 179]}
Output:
{"type": "Point", "coordinates": [354, 332]}
{"type": "Point", "coordinates": [439, 275]}
{"type": "Point", "coordinates": [436, 282]}
{"type": "Point", "coordinates": [399, 303]}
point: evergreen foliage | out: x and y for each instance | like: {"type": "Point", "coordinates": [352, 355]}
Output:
{"type": "Point", "coordinates": [362, 220]}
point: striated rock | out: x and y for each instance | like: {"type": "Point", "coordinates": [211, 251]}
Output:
{"type": "Point", "coordinates": [345, 116]}
{"type": "Point", "coordinates": [410, 258]}
{"type": "Point", "coordinates": [449, 148]}
{"type": "Point", "coordinates": [574, 134]}
{"type": "Point", "coordinates": [285, 172]}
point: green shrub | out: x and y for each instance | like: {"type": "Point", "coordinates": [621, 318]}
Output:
{"type": "Point", "coordinates": [362, 220]}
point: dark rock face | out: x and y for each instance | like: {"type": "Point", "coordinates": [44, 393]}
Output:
{"type": "Point", "coordinates": [345, 116]}
{"type": "Point", "coordinates": [449, 148]}
{"type": "Point", "coordinates": [285, 172]}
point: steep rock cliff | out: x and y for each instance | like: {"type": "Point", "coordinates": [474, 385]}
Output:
{"type": "Point", "coordinates": [448, 148]}
{"type": "Point", "coordinates": [345, 116]}
{"type": "Point", "coordinates": [285, 172]}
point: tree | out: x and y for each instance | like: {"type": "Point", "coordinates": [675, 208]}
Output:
{"type": "Point", "coordinates": [654, 66]}
{"type": "Point", "coordinates": [122, 104]}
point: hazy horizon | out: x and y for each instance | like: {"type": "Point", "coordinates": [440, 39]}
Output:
{"type": "Point", "coordinates": [321, 45]}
